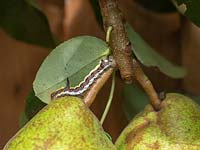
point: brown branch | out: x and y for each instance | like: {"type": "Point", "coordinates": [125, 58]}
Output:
{"type": "Point", "coordinates": [119, 42]}
{"type": "Point", "coordinates": [147, 85]}
{"type": "Point", "coordinates": [120, 45]}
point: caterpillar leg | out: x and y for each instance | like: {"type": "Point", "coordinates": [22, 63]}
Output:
{"type": "Point", "coordinates": [67, 84]}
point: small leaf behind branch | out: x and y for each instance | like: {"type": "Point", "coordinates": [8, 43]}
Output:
{"type": "Point", "coordinates": [23, 119]}
{"type": "Point", "coordinates": [135, 99]}
{"type": "Point", "coordinates": [97, 11]}
{"type": "Point", "coordinates": [150, 58]}
{"type": "Point", "coordinates": [33, 105]}
{"type": "Point", "coordinates": [73, 59]}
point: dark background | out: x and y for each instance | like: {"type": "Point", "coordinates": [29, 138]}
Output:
{"type": "Point", "coordinates": [171, 35]}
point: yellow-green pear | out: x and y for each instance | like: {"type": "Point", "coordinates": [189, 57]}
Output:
{"type": "Point", "coordinates": [175, 127]}
{"type": "Point", "coordinates": [65, 124]}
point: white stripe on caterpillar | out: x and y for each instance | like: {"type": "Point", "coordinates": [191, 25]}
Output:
{"type": "Point", "coordinates": [87, 82]}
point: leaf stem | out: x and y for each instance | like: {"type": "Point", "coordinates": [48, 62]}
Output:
{"type": "Point", "coordinates": [108, 34]}
{"type": "Point", "coordinates": [109, 99]}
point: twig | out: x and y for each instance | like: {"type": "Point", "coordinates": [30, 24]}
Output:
{"type": "Point", "coordinates": [91, 94]}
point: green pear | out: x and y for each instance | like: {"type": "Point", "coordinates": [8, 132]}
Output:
{"type": "Point", "coordinates": [65, 124]}
{"type": "Point", "coordinates": [175, 127]}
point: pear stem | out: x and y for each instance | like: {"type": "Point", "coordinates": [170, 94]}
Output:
{"type": "Point", "coordinates": [109, 99]}
{"type": "Point", "coordinates": [147, 85]}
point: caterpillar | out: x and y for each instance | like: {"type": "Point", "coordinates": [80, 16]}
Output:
{"type": "Point", "coordinates": [96, 73]}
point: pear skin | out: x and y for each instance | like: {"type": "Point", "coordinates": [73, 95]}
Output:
{"type": "Point", "coordinates": [175, 127]}
{"type": "Point", "coordinates": [65, 124]}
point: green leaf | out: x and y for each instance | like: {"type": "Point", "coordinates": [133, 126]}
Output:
{"type": "Point", "coordinates": [195, 98]}
{"type": "Point", "coordinates": [193, 11]}
{"type": "Point", "coordinates": [97, 11]}
{"type": "Point", "coordinates": [33, 105]}
{"type": "Point", "coordinates": [24, 22]}
{"type": "Point", "coordinates": [108, 135]}
{"type": "Point", "coordinates": [23, 120]}
{"type": "Point", "coordinates": [150, 58]}
{"type": "Point", "coordinates": [135, 99]}
{"type": "Point", "coordinates": [73, 59]}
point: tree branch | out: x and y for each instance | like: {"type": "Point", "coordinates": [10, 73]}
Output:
{"type": "Point", "coordinates": [120, 45]}
{"type": "Point", "coordinates": [119, 42]}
